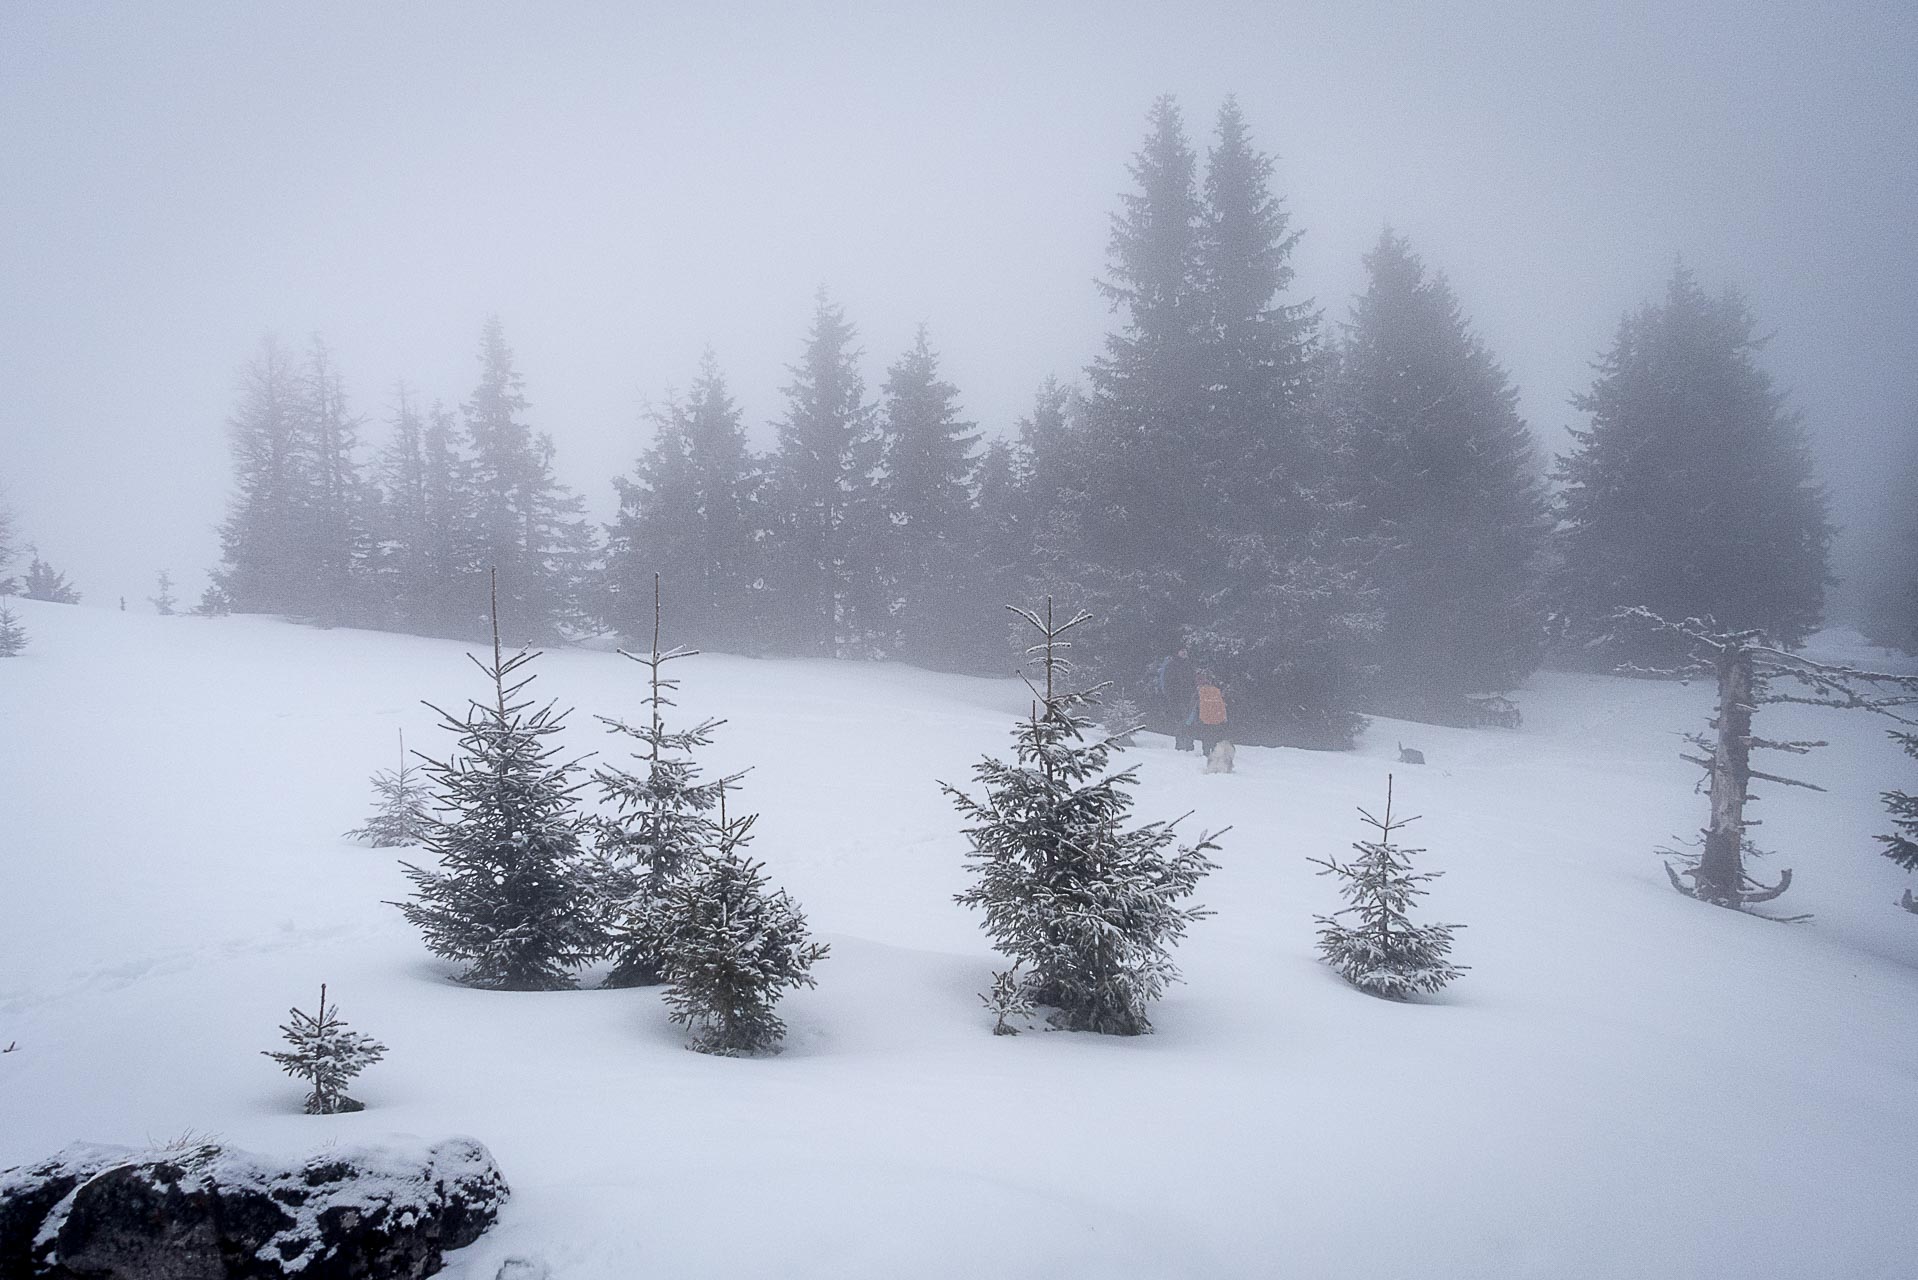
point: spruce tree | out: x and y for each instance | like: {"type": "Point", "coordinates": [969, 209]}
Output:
{"type": "Point", "coordinates": [9, 551]}
{"type": "Point", "coordinates": [1382, 951]}
{"type": "Point", "coordinates": [336, 507]}
{"type": "Point", "coordinates": [822, 482]}
{"type": "Point", "coordinates": [327, 1054]}
{"type": "Point", "coordinates": [1445, 488]}
{"type": "Point", "coordinates": [214, 602]}
{"type": "Point", "coordinates": [43, 582]}
{"type": "Point", "coordinates": [1691, 493]}
{"type": "Point", "coordinates": [162, 599]}
{"type": "Point", "coordinates": [525, 521]}
{"type": "Point", "coordinates": [658, 824]}
{"type": "Point", "coordinates": [688, 513]}
{"type": "Point", "coordinates": [13, 634]}
{"type": "Point", "coordinates": [731, 949]}
{"type": "Point", "coordinates": [511, 897]}
{"type": "Point", "coordinates": [1088, 909]}
{"type": "Point", "coordinates": [1901, 846]}
{"type": "Point", "coordinates": [261, 540]}
{"type": "Point", "coordinates": [925, 553]}
{"type": "Point", "coordinates": [403, 807]}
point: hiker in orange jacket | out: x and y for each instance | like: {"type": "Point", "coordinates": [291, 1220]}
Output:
{"type": "Point", "coordinates": [1209, 715]}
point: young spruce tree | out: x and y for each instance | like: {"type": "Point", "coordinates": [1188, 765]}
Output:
{"type": "Point", "coordinates": [1901, 846]}
{"type": "Point", "coordinates": [510, 897]}
{"type": "Point", "coordinates": [13, 636]}
{"type": "Point", "coordinates": [1088, 909]}
{"type": "Point", "coordinates": [659, 822]}
{"type": "Point", "coordinates": [730, 949]}
{"type": "Point", "coordinates": [403, 810]}
{"type": "Point", "coordinates": [1384, 952]}
{"type": "Point", "coordinates": [326, 1053]}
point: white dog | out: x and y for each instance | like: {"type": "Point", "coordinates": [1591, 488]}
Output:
{"type": "Point", "coordinates": [1220, 761]}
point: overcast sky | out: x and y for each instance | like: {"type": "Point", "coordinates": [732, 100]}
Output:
{"type": "Point", "coordinates": [627, 184]}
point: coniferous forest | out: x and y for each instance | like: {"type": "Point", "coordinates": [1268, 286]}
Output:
{"type": "Point", "coordinates": [1332, 516]}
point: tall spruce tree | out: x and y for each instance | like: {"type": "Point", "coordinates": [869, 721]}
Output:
{"type": "Point", "coordinates": [657, 821]}
{"type": "Point", "coordinates": [525, 521]}
{"type": "Point", "coordinates": [511, 897]}
{"type": "Point", "coordinates": [822, 478]}
{"type": "Point", "coordinates": [1086, 909]}
{"type": "Point", "coordinates": [335, 504]}
{"type": "Point", "coordinates": [687, 514]}
{"type": "Point", "coordinates": [1198, 511]}
{"type": "Point", "coordinates": [1691, 493]}
{"type": "Point", "coordinates": [263, 559]}
{"type": "Point", "coordinates": [927, 553]}
{"type": "Point", "coordinates": [1444, 485]}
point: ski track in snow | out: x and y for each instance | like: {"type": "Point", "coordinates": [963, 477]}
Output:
{"type": "Point", "coordinates": [1625, 1084]}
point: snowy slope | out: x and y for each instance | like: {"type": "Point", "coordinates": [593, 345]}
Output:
{"type": "Point", "coordinates": [1625, 1084]}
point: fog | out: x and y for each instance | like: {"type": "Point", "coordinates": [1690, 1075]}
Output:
{"type": "Point", "coordinates": [625, 186]}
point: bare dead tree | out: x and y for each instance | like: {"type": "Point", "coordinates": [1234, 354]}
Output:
{"type": "Point", "coordinates": [1752, 672]}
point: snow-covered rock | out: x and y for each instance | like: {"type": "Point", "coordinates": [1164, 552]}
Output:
{"type": "Point", "coordinates": [205, 1212]}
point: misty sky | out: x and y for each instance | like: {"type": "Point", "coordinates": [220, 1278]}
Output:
{"type": "Point", "coordinates": [625, 185]}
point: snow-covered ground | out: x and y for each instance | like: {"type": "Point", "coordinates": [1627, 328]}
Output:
{"type": "Point", "coordinates": [1626, 1083]}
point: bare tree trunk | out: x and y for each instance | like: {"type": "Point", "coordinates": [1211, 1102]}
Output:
{"type": "Point", "coordinates": [1720, 876]}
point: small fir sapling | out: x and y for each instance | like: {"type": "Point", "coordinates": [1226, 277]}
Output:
{"type": "Point", "coordinates": [402, 813]}
{"type": "Point", "coordinates": [327, 1054]}
{"type": "Point", "coordinates": [511, 897]}
{"type": "Point", "coordinates": [1087, 908]}
{"type": "Point", "coordinates": [162, 599]}
{"type": "Point", "coordinates": [1007, 999]}
{"type": "Point", "coordinates": [730, 949]}
{"type": "Point", "coordinates": [1901, 845]}
{"type": "Point", "coordinates": [13, 635]}
{"type": "Point", "coordinates": [659, 820]}
{"type": "Point", "coordinates": [1384, 952]}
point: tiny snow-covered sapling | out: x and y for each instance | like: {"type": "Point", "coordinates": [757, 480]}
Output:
{"type": "Point", "coordinates": [402, 813]}
{"type": "Point", "coordinates": [328, 1054]}
{"type": "Point", "coordinates": [1384, 952]}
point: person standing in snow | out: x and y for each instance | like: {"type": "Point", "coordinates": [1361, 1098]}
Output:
{"type": "Point", "coordinates": [1208, 713]}
{"type": "Point", "coordinates": [1178, 691]}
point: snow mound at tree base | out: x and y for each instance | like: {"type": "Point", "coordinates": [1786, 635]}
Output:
{"type": "Point", "coordinates": [204, 1212]}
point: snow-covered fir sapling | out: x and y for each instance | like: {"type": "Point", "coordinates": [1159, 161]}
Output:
{"type": "Point", "coordinates": [402, 812]}
{"type": "Point", "coordinates": [327, 1054]}
{"type": "Point", "coordinates": [13, 635]}
{"type": "Point", "coordinates": [730, 948]}
{"type": "Point", "coordinates": [1088, 910]}
{"type": "Point", "coordinates": [162, 599]}
{"type": "Point", "coordinates": [1008, 999]}
{"type": "Point", "coordinates": [659, 819]}
{"type": "Point", "coordinates": [1382, 951]}
{"type": "Point", "coordinates": [214, 602]}
{"type": "Point", "coordinates": [1901, 845]}
{"type": "Point", "coordinates": [511, 896]}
